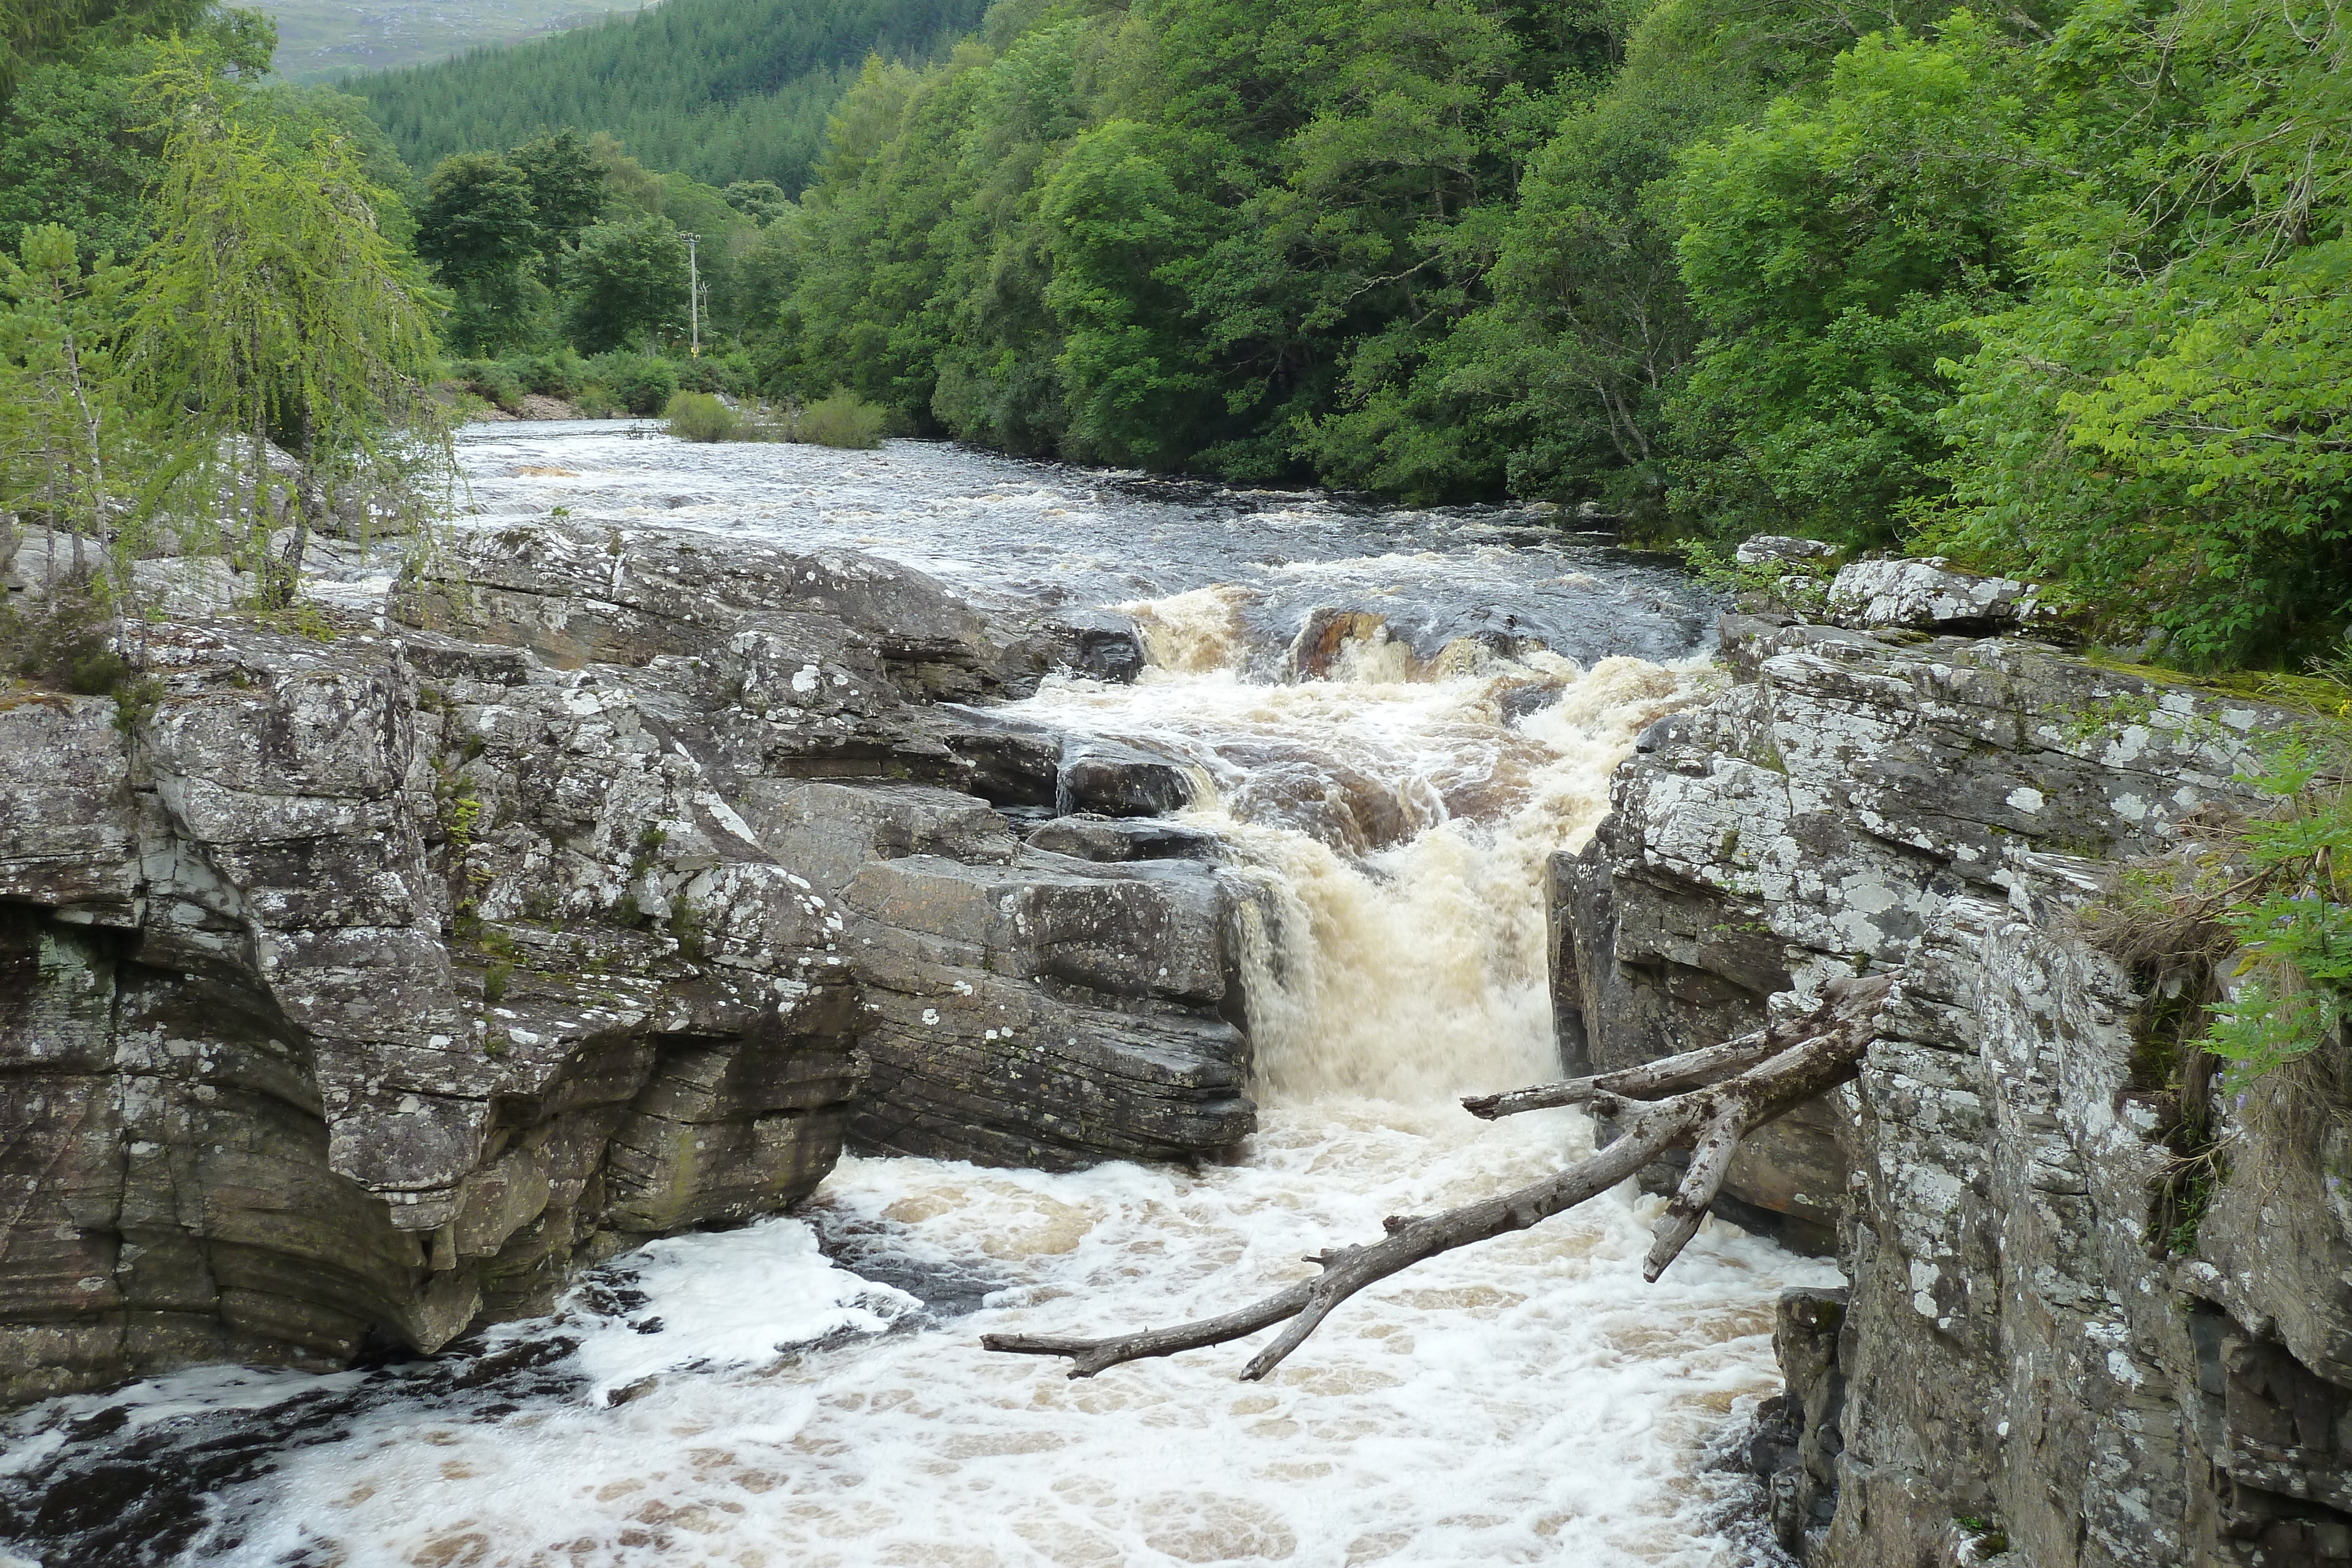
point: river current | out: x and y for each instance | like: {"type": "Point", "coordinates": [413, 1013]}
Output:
{"type": "Point", "coordinates": [809, 1391]}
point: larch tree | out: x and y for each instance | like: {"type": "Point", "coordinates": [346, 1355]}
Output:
{"type": "Point", "coordinates": [273, 312]}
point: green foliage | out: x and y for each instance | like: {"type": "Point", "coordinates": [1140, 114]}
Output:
{"type": "Point", "coordinates": [273, 308]}
{"type": "Point", "coordinates": [477, 228]}
{"type": "Point", "coordinates": [723, 89]}
{"type": "Point", "coordinates": [641, 383]}
{"type": "Point", "coordinates": [77, 148]}
{"type": "Point", "coordinates": [2160, 422]}
{"type": "Point", "coordinates": [2292, 916]}
{"type": "Point", "coordinates": [627, 287]}
{"type": "Point", "coordinates": [73, 438]}
{"type": "Point", "coordinates": [701, 417]}
{"type": "Point", "coordinates": [567, 186]}
{"type": "Point", "coordinates": [762, 201]}
{"type": "Point", "coordinates": [843, 419]}
{"type": "Point", "coordinates": [1830, 248]}
{"type": "Point", "coordinates": [64, 639]}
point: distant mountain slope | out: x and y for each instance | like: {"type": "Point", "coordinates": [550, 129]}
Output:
{"type": "Point", "coordinates": [318, 39]}
{"type": "Point", "coordinates": [722, 90]}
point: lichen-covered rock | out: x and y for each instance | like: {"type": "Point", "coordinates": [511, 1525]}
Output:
{"type": "Point", "coordinates": [370, 985]}
{"type": "Point", "coordinates": [2034, 1362]}
{"type": "Point", "coordinates": [1931, 596]}
{"type": "Point", "coordinates": [1758, 549]}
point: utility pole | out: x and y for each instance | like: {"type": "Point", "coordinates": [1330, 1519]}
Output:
{"type": "Point", "coordinates": [693, 300]}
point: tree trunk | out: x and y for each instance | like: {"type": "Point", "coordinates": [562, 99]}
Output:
{"type": "Point", "coordinates": [1726, 1090]}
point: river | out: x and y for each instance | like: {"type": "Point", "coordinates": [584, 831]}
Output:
{"type": "Point", "coordinates": [809, 1390]}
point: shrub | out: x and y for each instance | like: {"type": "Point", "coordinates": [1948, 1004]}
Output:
{"type": "Point", "coordinates": [594, 400]}
{"type": "Point", "coordinates": [729, 373]}
{"type": "Point", "coordinates": [561, 373]}
{"type": "Point", "coordinates": [640, 382]}
{"type": "Point", "coordinates": [2270, 896]}
{"type": "Point", "coordinates": [843, 419]}
{"type": "Point", "coordinates": [490, 380]}
{"type": "Point", "coordinates": [698, 416]}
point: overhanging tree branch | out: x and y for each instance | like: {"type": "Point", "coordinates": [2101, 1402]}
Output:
{"type": "Point", "coordinates": [1726, 1093]}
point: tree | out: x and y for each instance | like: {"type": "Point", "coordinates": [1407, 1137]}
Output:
{"type": "Point", "coordinates": [1830, 248]}
{"type": "Point", "coordinates": [77, 148]}
{"type": "Point", "coordinates": [2163, 424]}
{"type": "Point", "coordinates": [1132, 365]}
{"type": "Point", "coordinates": [567, 187]}
{"type": "Point", "coordinates": [762, 201]}
{"type": "Point", "coordinates": [271, 308]}
{"type": "Point", "coordinates": [627, 284]}
{"type": "Point", "coordinates": [65, 424]}
{"type": "Point", "coordinates": [479, 231]}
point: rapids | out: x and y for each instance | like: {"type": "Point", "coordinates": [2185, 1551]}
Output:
{"type": "Point", "coordinates": [809, 1390]}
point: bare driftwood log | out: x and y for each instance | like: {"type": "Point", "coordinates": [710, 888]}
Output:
{"type": "Point", "coordinates": [1712, 1098]}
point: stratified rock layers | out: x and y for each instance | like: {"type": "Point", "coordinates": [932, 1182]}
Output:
{"type": "Point", "coordinates": [2034, 1357]}
{"type": "Point", "coordinates": [368, 986]}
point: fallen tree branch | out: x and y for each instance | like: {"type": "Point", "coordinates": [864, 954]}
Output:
{"type": "Point", "coordinates": [1667, 1074]}
{"type": "Point", "coordinates": [1768, 1074]}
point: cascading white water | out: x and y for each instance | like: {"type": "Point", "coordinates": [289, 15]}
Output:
{"type": "Point", "coordinates": [1527, 1401]}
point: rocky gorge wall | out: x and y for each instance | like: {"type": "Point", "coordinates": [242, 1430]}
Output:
{"type": "Point", "coordinates": [2034, 1361]}
{"type": "Point", "coordinates": [361, 981]}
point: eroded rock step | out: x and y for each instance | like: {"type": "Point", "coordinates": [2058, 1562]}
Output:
{"type": "Point", "coordinates": [375, 986]}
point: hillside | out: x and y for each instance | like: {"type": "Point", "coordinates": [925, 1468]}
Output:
{"type": "Point", "coordinates": [321, 39]}
{"type": "Point", "coordinates": [722, 89]}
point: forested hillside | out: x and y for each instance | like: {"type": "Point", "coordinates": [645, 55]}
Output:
{"type": "Point", "coordinates": [2061, 290]}
{"type": "Point", "coordinates": [320, 40]}
{"type": "Point", "coordinates": [722, 90]}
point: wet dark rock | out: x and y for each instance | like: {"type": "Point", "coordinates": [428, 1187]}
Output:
{"type": "Point", "coordinates": [1099, 644]}
{"type": "Point", "coordinates": [1118, 778]}
{"type": "Point", "coordinates": [1096, 838]}
{"type": "Point", "coordinates": [1006, 762]}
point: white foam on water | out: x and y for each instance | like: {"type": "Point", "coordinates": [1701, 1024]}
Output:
{"type": "Point", "coordinates": [730, 1299]}
{"type": "Point", "coordinates": [1400, 828]}
{"type": "Point", "coordinates": [1530, 1401]}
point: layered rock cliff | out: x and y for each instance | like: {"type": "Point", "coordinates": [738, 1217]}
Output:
{"type": "Point", "coordinates": [360, 982]}
{"type": "Point", "coordinates": [2037, 1361]}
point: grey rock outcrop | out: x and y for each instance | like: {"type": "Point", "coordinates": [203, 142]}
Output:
{"type": "Point", "coordinates": [367, 988]}
{"type": "Point", "coordinates": [2034, 1362]}
{"type": "Point", "coordinates": [1929, 595]}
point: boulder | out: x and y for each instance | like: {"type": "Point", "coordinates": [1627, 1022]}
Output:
{"type": "Point", "coordinates": [1758, 549]}
{"type": "Point", "coordinates": [1121, 778]}
{"type": "Point", "coordinates": [1929, 595]}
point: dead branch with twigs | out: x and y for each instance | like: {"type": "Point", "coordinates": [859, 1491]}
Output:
{"type": "Point", "coordinates": [1705, 1101]}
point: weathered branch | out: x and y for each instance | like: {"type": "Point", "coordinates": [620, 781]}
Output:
{"type": "Point", "coordinates": [1668, 1074]}
{"type": "Point", "coordinates": [1770, 1073]}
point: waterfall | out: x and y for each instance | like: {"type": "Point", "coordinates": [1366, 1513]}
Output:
{"type": "Point", "coordinates": [1388, 797]}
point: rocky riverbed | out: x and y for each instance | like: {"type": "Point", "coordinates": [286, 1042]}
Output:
{"type": "Point", "coordinates": [433, 1026]}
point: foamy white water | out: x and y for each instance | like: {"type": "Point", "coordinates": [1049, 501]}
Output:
{"type": "Point", "coordinates": [1532, 1402]}
{"type": "Point", "coordinates": [742, 1399]}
